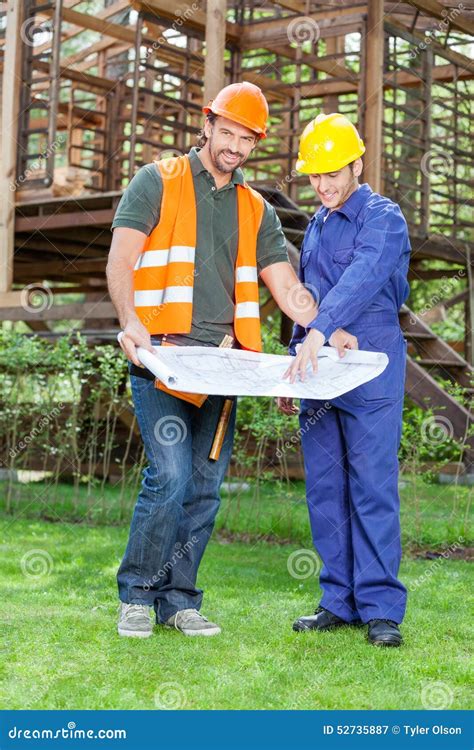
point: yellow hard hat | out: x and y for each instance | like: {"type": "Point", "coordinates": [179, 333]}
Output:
{"type": "Point", "coordinates": [327, 144]}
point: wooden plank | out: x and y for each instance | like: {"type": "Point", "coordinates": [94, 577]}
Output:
{"type": "Point", "coordinates": [278, 29]}
{"type": "Point", "coordinates": [414, 37]}
{"type": "Point", "coordinates": [298, 6]}
{"type": "Point", "coordinates": [93, 23]}
{"type": "Point", "coordinates": [74, 31]}
{"type": "Point", "coordinates": [423, 389]}
{"type": "Point", "coordinates": [214, 65]}
{"type": "Point", "coordinates": [441, 73]}
{"type": "Point", "coordinates": [470, 311]}
{"type": "Point", "coordinates": [96, 83]}
{"type": "Point", "coordinates": [441, 248]}
{"type": "Point", "coordinates": [76, 311]}
{"type": "Point", "coordinates": [9, 120]}
{"type": "Point", "coordinates": [184, 14]}
{"type": "Point", "coordinates": [454, 18]}
{"type": "Point", "coordinates": [373, 88]}
{"type": "Point", "coordinates": [73, 219]}
{"type": "Point", "coordinates": [10, 299]}
{"type": "Point", "coordinates": [330, 67]}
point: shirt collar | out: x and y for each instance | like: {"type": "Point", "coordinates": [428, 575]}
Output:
{"type": "Point", "coordinates": [351, 207]}
{"type": "Point", "coordinates": [354, 203]}
{"type": "Point", "coordinates": [197, 167]}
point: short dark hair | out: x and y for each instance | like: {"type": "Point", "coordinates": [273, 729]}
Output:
{"type": "Point", "coordinates": [201, 138]}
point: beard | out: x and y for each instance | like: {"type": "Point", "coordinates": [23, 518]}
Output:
{"type": "Point", "coordinates": [219, 161]}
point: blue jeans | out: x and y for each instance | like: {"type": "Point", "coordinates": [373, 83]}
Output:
{"type": "Point", "coordinates": [178, 500]}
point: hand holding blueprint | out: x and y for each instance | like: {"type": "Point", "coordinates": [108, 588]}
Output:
{"type": "Point", "coordinates": [237, 372]}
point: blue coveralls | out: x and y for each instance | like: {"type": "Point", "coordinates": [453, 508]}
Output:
{"type": "Point", "coordinates": [355, 263]}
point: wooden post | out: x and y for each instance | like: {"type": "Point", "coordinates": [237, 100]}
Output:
{"type": "Point", "coordinates": [214, 69]}
{"type": "Point", "coordinates": [334, 45]}
{"type": "Point", "coordinates": [425, 118]}
{"type": "Point", "coordinates": [374, 41]}
{"type": "Point", "coordinates": [54, 93]}
{"type": "Point", "coordinates": [469, 310]}
{"type": "Point", "coordinates": [8, 138]}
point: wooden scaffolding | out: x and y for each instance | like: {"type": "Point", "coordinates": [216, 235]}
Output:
{"type": "Point", "coordinates": [92, 90]}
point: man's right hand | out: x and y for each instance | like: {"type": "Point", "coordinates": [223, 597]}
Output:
{"type": "Point", "coordinates": [135, 334]}
{"type": "Point", "coordinates": [286, 405]}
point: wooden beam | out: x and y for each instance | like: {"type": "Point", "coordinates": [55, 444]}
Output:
{"type": "Point", "coordinates": [184, 15]}
{"type": "Point", "coordinates": [298, 6]}
{"type": "Point", "coordinates": [373, 90]}
{"type": "Point", "coordinates": [453, 19]}
{"type": "Point", "coordinates": [439, 248]}
{"type": "Point", "coordinates": [73, 219]}
{"type": "Point", "coordinates": [100, 25]}
{"type": "Point", "coordinates": [278, 30]}
{"type": "Point", "coordinates": [414, 37]}
{"type": "Point", "coordinates": [330, 67]}
{"type": "Point", "coordinates": [96, 83]}
{"type": "Point", "coordinates": [74, 31]}
{"type": "Point", "coordinates": [8, 136]}
{"type": "Point", "coordinates": [75, 311]}
{"type": "Point", "coordinates": [441, 73]}
{"type": "Point", "coordinates": [425, 391]}
{"type": "Point", "coordinates": [214, 65]}
{"type": "Point", "coordinates": [470, 310]}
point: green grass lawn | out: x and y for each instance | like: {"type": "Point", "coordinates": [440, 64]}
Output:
{"type": "Point", "coordinates": [432, 514]}
{"type": "Point", "coordinates": [60, 649]}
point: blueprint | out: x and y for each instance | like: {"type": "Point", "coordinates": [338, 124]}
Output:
{"type": "Point", "coordinates": [237, 372]}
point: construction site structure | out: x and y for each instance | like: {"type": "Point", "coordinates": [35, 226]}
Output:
{"type": "Point", "coordinates": [93, 90]}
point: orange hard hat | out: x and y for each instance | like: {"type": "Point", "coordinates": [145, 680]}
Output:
{"type": "Point", "coordinates": [243, 103]}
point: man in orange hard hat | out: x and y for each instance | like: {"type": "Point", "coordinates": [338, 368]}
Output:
{"type": "Point", "coordinates": [190, 240]}
{"type": "Point", "coordinates": [355, 256]}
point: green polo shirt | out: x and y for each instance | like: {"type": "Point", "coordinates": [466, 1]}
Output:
{"type": "Point", "coordinates": [216, 241]}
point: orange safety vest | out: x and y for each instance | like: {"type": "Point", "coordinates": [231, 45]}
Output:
{"type": "Point", "coordinates": [164, 272]}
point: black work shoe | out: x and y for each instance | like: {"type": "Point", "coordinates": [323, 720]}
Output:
{"type": "Point", "coordinates": [384, 633]}
{"type": "Point", "coordinates": [321, 620]}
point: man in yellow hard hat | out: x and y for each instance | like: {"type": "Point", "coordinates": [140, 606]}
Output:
{"type": "Point", "coordinates": [354, 258]}
{"type": "Point", "coordinates": [190, 240]}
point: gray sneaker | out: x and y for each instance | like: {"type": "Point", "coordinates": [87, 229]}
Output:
{"type": "Point", "coordinates": [134, 620]}
{"type": "Point", "coordinates": [191, 622]}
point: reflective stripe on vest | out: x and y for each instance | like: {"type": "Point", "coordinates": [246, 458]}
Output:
{"type": "Point", "coordinates": [164, 272]}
